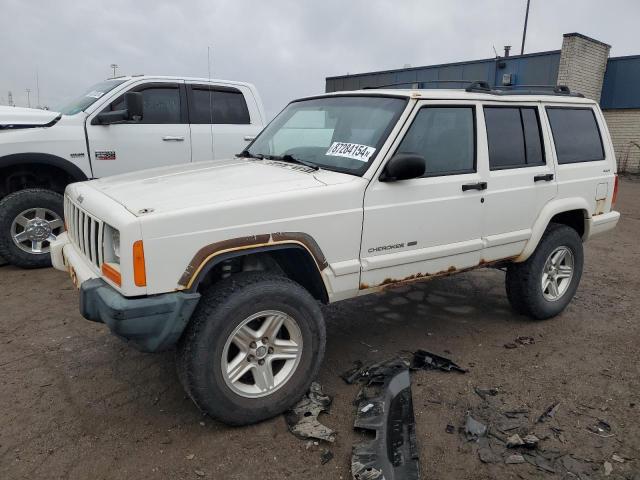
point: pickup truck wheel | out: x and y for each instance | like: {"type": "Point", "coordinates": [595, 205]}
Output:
{"type": "Point", "coordinates": [543, 285]}
{"type": "Point", "coordinates": [29, 220]}
{"type": "Point", "coordinates": [252, 348]}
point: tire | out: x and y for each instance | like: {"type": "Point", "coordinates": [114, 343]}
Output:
{"type": "Point", "coordinates": [524, 281]}
{"type": "Point", "coordinates": [206, 349]}
{"type": "Point", "coordinates": [33, 202]}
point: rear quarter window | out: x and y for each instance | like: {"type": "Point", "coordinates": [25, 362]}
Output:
{"type": "Point", "coordinates": [576, 134]}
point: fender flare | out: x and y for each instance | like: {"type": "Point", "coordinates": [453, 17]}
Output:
{"type": "Point", "coordinates": [211, 255]}
{"type": "Point", "coordinates": [546, 214]}
{"type": "Point", "coordinates": [44, 159]}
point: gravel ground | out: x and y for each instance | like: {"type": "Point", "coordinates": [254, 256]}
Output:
{"type": "Point", "coordinates": [77, 403]}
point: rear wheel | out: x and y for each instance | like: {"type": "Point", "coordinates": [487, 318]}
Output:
{"type": "Point", "coordinates": [29, 221]}
{"type": "Point", "coordinates": [543, 285]}
{"type": "Point", "coordinates": [252, 348]}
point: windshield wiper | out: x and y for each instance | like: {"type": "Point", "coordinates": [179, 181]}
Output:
{"type": "Point", "coordinates": [291, 159]}
{"type": "Point", "coordinates": [247, 154]}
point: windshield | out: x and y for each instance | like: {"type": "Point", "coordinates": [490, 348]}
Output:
{"type": "Point", "coordinates": [341, 133]}
{"type": "Point", "coordinates": [92, 94]}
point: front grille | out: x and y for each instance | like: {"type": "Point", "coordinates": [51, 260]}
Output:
{"type": "Point", "coordinates": [85, 231]}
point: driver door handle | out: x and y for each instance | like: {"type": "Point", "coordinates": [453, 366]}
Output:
{"type": "Point", "coordinates": [474, 186]}
{"type": "Point", "coordinates": [172, 138]}
{"type": "Point", "coordinates": [547, 177]}
{"type": "Point", "coordinates": [249, 138]}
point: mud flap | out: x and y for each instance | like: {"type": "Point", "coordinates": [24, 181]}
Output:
{"type": "Point", "coordinates": [393, 454]}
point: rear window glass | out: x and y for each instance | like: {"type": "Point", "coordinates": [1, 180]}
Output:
{"type": "Point", "coordinates": [514, 138]}
{"type": "Point", "coordinates": [223, 106]}
{"type": "Point", "coordinates": [575, 134]}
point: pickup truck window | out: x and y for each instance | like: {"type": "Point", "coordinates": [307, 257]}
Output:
{"type": "Point", "coordinates": [341, 133]}
{"type": "Point", "coordinates": [514, 137]}
{"type": "Point", "coordinates": [228, 105]}
{"type": "Point", "coordinates": [161, 105]}
{"type": "Point", "coordinates": [93, 93]}
{"type": "Point", "coordinates": [575, 134]}
{"type": "Point", "coordinates": [445, 137]}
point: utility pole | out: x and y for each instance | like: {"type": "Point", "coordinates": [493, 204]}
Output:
{"type": "Point", "coordinates": [37, 89]}
{"type": "Point", "coordinates": [10, 99]}
{"type": "Point", "coordinates": [114, 66]}
{"type": "Point", "coordinates": [524, 30]}
{"type": "Point", "coordinates": [28, 90]}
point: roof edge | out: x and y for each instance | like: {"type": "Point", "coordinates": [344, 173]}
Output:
{"type": "Point", "coordinates": [585, 37]}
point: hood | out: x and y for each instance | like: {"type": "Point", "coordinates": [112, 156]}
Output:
{"type": "Point", "coordinates": [17, 117]}
{"type": "Point", "coordinates": [204, 183]}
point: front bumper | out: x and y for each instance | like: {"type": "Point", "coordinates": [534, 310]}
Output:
{"type": "Point", "coordinates": [151, 324]}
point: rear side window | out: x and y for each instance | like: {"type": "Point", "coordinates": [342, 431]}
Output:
{"type": "Point", "coordinates": [514, 137]}
{"type": "Point", "coordinates": [445, 137]}
{"type": "Point", "coordinates": [575, 134]}
{"type": "Point", "coordinates": [227, 105]}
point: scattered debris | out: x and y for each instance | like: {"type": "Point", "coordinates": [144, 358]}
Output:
{"type": "Point", "coordinates": [393, 453]}
{"type": "Point", "coordinates": [326, 456]}
{"type": "Point", "coordinates": [608, 468]}
{"type": "Point", "coordinates": [617, 458]}
{"type": "Point", "coordinates": [474, 429]}
{"type": "Point", "coordinates": [510, 346]}
{"type": "Point", "coordinates": [549, 412]}
{"type": "Point", "coordinates": [514, 459]}
{"type": "Point", "coordinates": [199, 473]}
{"type": "Point", "coordinates": [302, 419]}
{"type": "Point", "coordinates": [366, 408]}
{"type": "Point", "coordinates": [531, 441]}
{"type": "Point", "coordinates": [525, 340]}
{"type": "Point", "coordinates": [483, 393]}
{"type": "Point", "coordinates": [486, 453]}
{"type": "Point", "coordinates": [191, 456]}
{"type": "Point", "coordinates": [430, 361]}
{"type": "Point", "coordinates": [601, 428]}
{"type": "Point", "coordinates": [373, 372]}
{"type": "Point", "coordinates": [514, 441]}
{"type": "Point", "coordinates": [450, 428]}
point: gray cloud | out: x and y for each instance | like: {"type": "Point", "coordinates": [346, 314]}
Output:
{"type": "Point", "coordinates": [285, 47]}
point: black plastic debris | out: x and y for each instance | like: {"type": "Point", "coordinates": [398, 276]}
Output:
{"type": "Point", "coordinates": [302, 419]}
{"type": "Point", "coordinates": [374, 372]}
{"type": "Point", "coordinates": [326, 456]}
{"type": "Point", "coordinates": [430, 361]}
{"type": "Point", "coordinates": [483, 393]}
{"type": "Point", "coordinates": [450, 428]}
{"type": "Point", "coordinates": [393, 454]}
{"type": "Point", "coordinates": [525, 340]}
{"type": "Point", "coordinates": [550, 412]}
{"type": "Point", "coordinates": [601, 428]}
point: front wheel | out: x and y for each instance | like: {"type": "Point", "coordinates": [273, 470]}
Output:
{"type": "Point", "coordinates": [253, 347]}
{"type": "Point", "coordinates": [29, 221]}
{"type": "Point", "coordinates": [543, 285]}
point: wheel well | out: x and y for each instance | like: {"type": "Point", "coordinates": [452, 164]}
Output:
{"type": "Point", "coordinates": [572, 218]}
{"type": "Point", "coordinates": [293, 261]}
{"type": "Point", "coordinates": [33, 175]}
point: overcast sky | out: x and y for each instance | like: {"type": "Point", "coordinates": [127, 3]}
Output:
{"type": "Point", "coordinates": [285, 47]}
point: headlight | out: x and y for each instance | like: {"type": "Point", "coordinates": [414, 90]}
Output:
{"type": "Point", "coordinates": [111, 244]}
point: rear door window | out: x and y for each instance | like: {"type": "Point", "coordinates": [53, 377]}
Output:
{"type": "Point", "coordinates": [220, 105]}
{"type": "Point", "coordinates": [575, 134]}
{"type": "Point", "coordinates": [514, 137]}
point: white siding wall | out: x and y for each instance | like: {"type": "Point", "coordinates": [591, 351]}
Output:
{"type": "Point", "coordinates": [624, 126]}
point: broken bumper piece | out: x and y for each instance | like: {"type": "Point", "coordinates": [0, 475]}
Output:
{"type": "Point", "coordinates": [393, 454]}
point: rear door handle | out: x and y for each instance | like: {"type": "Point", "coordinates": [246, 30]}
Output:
{"type": "Point", "coordinates": [474, 186]}
{"type": "Point", "coordinates": [547, 177]}
{"type": "Point", "coordinates": [249, 138]}
{"type": "Point", "coordinates": [172, 138]}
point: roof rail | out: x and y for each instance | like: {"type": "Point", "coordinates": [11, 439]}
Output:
{"type": "Point", "coordinates": [482, 86]}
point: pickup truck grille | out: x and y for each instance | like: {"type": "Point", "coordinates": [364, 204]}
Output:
{"type": "Point", "coordinates": [85, 231]}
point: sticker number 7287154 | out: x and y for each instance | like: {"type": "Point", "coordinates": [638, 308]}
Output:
{"type": "Point", "coordinates": [351, 150]}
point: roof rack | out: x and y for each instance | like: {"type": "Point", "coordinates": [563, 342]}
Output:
{"type": "Point", "coordinates": [481, 86]}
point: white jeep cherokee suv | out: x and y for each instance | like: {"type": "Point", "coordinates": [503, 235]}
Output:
{"type": "Point", "coordinates": [340, 196]}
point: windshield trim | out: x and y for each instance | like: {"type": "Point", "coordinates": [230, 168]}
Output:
{"type": "Point", "coordinates": [383, 138]}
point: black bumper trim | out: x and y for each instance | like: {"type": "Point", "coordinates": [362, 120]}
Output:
{"type": "Point", "coordinates": [151, 324]}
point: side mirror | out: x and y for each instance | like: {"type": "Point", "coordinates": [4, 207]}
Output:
{"type": "Point", "coordinates": [404, 166]}
{"type": "Point", "coordinates": [132, 111]}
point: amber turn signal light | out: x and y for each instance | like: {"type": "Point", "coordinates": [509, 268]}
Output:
{"type": "Point", "coordinates": [139, 272]}
{"type": "Point", "coordinates": [112, 274]}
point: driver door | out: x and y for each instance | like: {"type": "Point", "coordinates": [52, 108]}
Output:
{"type": "Point", "coordinates": [161, 138]}
{"type": "Point", "coordinates": [433, 224]}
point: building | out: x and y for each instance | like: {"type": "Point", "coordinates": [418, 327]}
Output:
{"type": "Point", "coordinates": [583, 64]}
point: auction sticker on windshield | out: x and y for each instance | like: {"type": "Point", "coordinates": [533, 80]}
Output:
{"type": "Point", "coordinates": [351, 150]}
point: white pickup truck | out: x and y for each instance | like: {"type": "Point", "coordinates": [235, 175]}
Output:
{"type": "Point", "coordinates": [340, 196]}
{"type": "Point", "coordinates": [116, 126]}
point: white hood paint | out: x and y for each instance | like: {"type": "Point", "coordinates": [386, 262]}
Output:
{"type": "Point", "coordinates": [26, 116]}
{"type": "Point", "coordinates": [182, 187]}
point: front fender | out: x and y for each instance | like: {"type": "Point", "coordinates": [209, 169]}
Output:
{"type": "Point", "coordinates": [550, 210]}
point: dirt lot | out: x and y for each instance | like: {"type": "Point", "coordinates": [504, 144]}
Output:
{"type": "Point", "coordinates": [77, 403]}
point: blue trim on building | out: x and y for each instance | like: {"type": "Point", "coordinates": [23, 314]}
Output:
{"type": "Point", "coordinates": [621, 87]}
